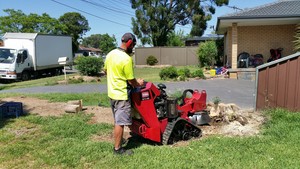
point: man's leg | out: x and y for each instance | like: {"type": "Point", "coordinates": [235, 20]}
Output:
{"type": "Point", "coordinates": [121, 110]}
{"type": "Point", "coordinates": [118, 133]}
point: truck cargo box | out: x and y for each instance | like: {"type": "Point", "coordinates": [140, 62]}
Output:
{"type": "Point", "coordinates": [44, 50]}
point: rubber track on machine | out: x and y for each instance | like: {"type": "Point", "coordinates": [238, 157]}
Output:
{"type": "Point", "coordinates": [168, 132]}
{"type": "Point", "coordinates": [169, 129]}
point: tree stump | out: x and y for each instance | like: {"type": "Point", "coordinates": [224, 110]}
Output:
{"type": "Point", "coordinates": [73, 106]}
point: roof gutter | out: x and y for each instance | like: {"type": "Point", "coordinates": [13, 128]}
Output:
{"type": "Point", "coordinates": [258, 17]}
{"type": "Point", "coordinates": [239, 18]}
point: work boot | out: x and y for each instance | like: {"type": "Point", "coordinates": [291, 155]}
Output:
{"type": "Point", "coordinates": [123, 151]}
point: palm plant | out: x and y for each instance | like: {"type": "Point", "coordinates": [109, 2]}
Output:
{"type": "Point", "coordinates": [297, 41]}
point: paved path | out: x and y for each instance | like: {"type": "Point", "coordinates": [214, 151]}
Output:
{"type": "Point", "coordinates": [240, 92]}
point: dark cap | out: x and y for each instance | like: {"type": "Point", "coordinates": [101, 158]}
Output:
{"type": "Point", "coordinates": [128, 36]}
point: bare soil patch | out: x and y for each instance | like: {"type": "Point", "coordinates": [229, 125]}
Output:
{"type": "Point", "coordinates": [250, 126]}
{"type": "Point", "coordinates": [46, 108]}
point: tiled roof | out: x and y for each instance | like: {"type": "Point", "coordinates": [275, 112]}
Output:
{"type": "Point", "coordinates": [89, 49]}
{"type": "Point", "coordinates": [280, 8]}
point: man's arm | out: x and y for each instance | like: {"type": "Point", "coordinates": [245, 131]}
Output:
{"type": "Point", "coordinates": [136, 82]}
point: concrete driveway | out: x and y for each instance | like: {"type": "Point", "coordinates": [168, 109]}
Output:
{"type": "Point", "coordinates": [240, 92]}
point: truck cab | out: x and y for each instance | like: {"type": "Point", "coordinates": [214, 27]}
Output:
{"type": "Point", "coordinates": [13, 62]}
{"type": "Point", "coordinates": [8, 58]}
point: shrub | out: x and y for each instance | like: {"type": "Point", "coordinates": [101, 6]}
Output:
{"type": "Point", "coordinates": [185, 72]}
{"type": "Point", "coordinates": [168, 73]}
{"type": "Point", "coordinates": [89, 66]}
{"type": "Point", "coordinates": [207, 53]}
{"type": "Point", "coordinates": [181, 78]}
{"type": "Point", "coordinates": [297, 41]}
{"type": "Point", "coordinates": [198, 73]}
{"type": "Point", "coordinates": [176, 94]}
{"type": "Point", "coordinates": [151, 60]}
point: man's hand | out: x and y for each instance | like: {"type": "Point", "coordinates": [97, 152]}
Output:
{"type": "Point", "coordinates": [140, 81]}
{"type": "Point", "coordinates": [136, 82]}
{"type": "Point", "coordinates": [103, 72]}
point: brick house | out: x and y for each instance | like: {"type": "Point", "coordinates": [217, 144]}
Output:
{"type": "Point", "coordinates": [257, 30]}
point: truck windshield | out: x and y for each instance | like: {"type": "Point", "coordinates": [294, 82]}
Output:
{"type": "Point", "coordinates": [7, 55]}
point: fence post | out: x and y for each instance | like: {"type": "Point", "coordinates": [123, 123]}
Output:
{"type": "Point", "coordinates": [160, 55]}
{"type": "Point", "coordinates": [186, 56]}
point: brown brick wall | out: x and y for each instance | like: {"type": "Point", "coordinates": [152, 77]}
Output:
{"type": "Point", "coordinates": [260, 39]}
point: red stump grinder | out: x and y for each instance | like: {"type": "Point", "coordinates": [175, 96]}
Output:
{"type": "Point", "coordinates": [164, 119]}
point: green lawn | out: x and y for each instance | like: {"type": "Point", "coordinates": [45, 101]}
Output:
{"type": "Point", "coordinates": [47, 81]}
{"type": "Point", "coordinates": [148, 74]}
{"type": "Point", "coordinates": [66, 142]}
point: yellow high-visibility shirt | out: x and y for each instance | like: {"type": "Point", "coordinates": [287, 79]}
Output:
{"type": "Point", "coordinates": [119, 69]}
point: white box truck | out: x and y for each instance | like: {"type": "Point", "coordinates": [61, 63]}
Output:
{"type": "Point", "coordinates": [26, 55]}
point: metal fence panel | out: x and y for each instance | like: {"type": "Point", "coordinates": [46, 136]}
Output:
{"type": "Point", "coordinates": [261, 89]}
{"type": "Point", "coordinates": [176, 56]}
{"type": "Point", "coordinates": [141, 55]}
{"type": "Point", "coordinates": [173, 56]}
{"type": "Point", "coordinates": [272, 86]}
{"type": "Point", "coordinates": [291, 85]}
{"type": "Point", "coordinates": [278, 84]}
{"type": "Point", "coordinates": [192, 58]}
{"type": "Point", "coordinates": [282, 75]}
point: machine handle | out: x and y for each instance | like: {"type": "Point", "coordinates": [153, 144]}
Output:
{"type": "Point", "coordinates": [184, 95]}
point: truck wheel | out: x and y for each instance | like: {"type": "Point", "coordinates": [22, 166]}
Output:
{"type": "Point", "coordinates": [25, 76]}
{"type": "Point", "coordinates": [59, 72]}
{"type": "Point", "coordinates": [53, 72]}
{"type": "Point", "coordinates": [56, 72]}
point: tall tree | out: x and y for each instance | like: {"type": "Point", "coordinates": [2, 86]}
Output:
{"type": "Point", "coordinates": [103, 41]}
{"type": "Point", "coordinates": [75, 25]}
{"type": "Point", "coordinates": [72, 23]}
{"type": "Point", "coordinates": [12, 22]}
{"type": "Point", "coordinates": [17, 21]}
{"type": "Point", "coordinates": [155, 19]}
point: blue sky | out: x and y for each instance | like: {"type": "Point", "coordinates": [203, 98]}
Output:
{"type": "Point", "coordinates": [109, 16]}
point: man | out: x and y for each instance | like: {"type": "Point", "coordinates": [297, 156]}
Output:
{"type": "Point", "coordinates": [119, 69]}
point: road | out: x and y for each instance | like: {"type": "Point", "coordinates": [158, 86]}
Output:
{"type": "Point", "coordinates": [240, 92]}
